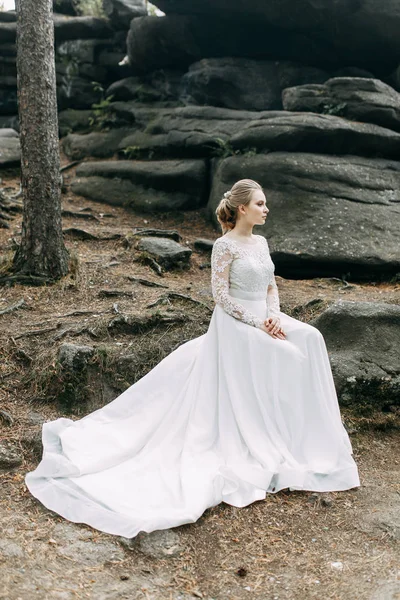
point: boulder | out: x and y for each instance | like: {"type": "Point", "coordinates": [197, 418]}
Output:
{"type": "Point", "coordinates": [121, 12]}
{"type": "Point", "coordinates": [310, 132]}
{"type": "Point", "coordinates": [71, 120]}
{"type": "Point", "coordinates": [363, 339]}
{"type": "Point", "coordinates": [147, 186]}
{"type": "Point", "coordinates": [78, 28]}
{"type": "Point", "coordinates": [329, 215]}
{"type": "Point", "coordinates": [65, 7]}
{"type": "Point", "coordinates": [355, 98]}
{"type": "Point", "coordinates": [241, 83]}
{"type": "Point", "coordinates": [359, 32]}
{"type": "Point", "coordinates": [190, 131]}
{"type": "Point", "coordinates": [203, 245]}
{"type": "Point", "coordinates": [74, 357]}
{"type": "Point", "coordinates": [179, 40]}
{"type": "Point", "coordinates": [161, 85]}
{"type": "Point", "coordinates": [166, 252]}
{"type": "Point", "coordinates": [8, 132]}
{"type": "Point", "coordinates": [10, 150]}
{"type": "Point", "coordinates": [97, 144]}
{"type": "Point", "coordinates": [75, 92]}
{"type": "Point", "coordinates": [158, 544]}
{"type": "Point", "coordinates": [10, 456]}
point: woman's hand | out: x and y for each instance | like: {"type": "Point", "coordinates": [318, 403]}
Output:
{"type": "Point", "coordinates": [272, 326]}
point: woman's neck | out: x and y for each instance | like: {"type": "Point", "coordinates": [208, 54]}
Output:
{"type": "Point", "coordinates": [242, 230]}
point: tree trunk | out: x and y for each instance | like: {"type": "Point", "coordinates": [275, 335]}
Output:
{"type": "Point", "coordinates": [42, 252]}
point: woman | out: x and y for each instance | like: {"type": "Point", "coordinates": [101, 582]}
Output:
{"type": "Point", "coordinates": [248, 408]}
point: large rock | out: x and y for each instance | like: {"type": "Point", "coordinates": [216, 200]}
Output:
{"type": "Point", "coordinates": [10, 150]}
{"type": "Point", "coordinates": [241, 83]}
{"type": "Point", "coordinates": [329, 215]}
{"type": "Point", "coordinates": [148, 186]}
{"type": "Point", "coordinates": [10, 456]}
{"type": "Point", "coordinates": [362, 31]}
{"type": "Point", "coordinates": [167, 253]}
{"type": "Point", "coordinates": [76, 28]}
{"type": "Point", "coordinates": [356, 98]}
{"type": "Point", "coordinates": [363, 339]}
{"type": "Point", "coordinates": [121, 12]}
{"type": "Point", "coordinates": [310, 132]}
{"type": "Point", "coordinates": [180, 40]}
{"type": "Point", "coordinates": [71, 120]}
{"type": "Point", "coordinates": [161, 85]}
{"type": "Point", "coordinates": [97, 144]}
{"type": "Point", "coordinates": [65, 7]}
{"type": "Point", "coordinates": [191, 131]}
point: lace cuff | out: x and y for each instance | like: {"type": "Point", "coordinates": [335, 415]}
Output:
{"type": "Point", "coordinates": [221, 259]}
{"type": "Point", "coordinates": [273, 299]}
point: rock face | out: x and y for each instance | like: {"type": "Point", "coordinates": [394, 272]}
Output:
{"type": "Point", "coordinates": [121, 12]}
{"type": "Point", "coordinates": [323, 219]}
{"type": "Point", "coordinates": [310, 132]}
{"type": "Point", "coordinates": [363, 32]}
{"type": "Point", "coordinates": [244, 84]}
{"type": "Point", "coordinates": [355, 98]}
{"type": "Point", "coordinates": [178, 40]}
{"type": "Point", "coordinates": [363, 339]}
{"type": "Point", "coordinates": [96, 143]}
{"type": "Point", "coordinates": [147, 186]}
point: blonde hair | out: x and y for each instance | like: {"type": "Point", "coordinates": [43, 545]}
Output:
{"type": "Point", "coordinates": [240, 193]}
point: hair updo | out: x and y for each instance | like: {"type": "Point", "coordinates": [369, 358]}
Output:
{"type": "Point", "coordinates": [240, 193]}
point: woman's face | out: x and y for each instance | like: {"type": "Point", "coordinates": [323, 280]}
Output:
{"type": "Point", "coordinates": [256, 211]}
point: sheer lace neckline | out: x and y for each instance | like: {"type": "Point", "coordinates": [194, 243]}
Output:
{"type": "Point", "coordinates": [243, 244]}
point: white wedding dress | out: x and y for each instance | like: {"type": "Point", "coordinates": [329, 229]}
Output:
{"type": "Point", "coordinates": [228, 416]}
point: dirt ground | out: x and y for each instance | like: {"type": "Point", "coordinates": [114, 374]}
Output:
{"type": "Point", "coordinates": [293, 545]}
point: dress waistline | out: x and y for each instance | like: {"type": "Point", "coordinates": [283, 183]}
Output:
{"type": "Point", "coordinates": [245, 295]}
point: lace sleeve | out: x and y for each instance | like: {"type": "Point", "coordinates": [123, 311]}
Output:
{"type": "Point", "coordinates": [273, 299]}
{"type": "Point", "coordinates": [221, 259]}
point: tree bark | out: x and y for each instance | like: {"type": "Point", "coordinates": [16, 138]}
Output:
{"type": "Point", "coordinates": [42, 252]}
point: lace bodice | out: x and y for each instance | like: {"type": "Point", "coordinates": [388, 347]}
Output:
{"type": "Point", "coordinates": [249, 268]}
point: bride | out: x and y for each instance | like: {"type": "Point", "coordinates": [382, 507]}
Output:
{"type": "Point", "coordinates": [246, 409]}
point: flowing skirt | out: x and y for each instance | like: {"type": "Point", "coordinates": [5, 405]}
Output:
{"type": "Point", "coordinates": [229, 416]}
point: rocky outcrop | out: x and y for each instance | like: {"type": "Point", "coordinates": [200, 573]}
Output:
{"type": "Point", "coordinates": [363, 340]}
{"type": "Point", "coordinates": [244, 84]}
{"type": "Point", "coordinates": [87, 51]}
{"type": "Point", "coordinates": [310, 132]}
{"type": "Point", "coordinates": [329, 215]}
{"type": "Point", "coordinates": [96, 144]}
{"type": "Point", "coordinates": [146, 186]}
{"type": "Point", "coordinates": [358, 32]}
{"type": "Point", "coordinates": [179, 40]}
{"type": "Point", "coordinates": [121, 12]}
{"type": "Point", "coordinates": [355, 98]}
